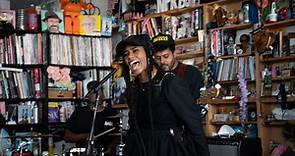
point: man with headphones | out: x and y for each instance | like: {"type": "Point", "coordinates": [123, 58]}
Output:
{"type": "Point", "coordinates": [163, 52]}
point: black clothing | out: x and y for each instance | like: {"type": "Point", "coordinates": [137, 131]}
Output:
{"type": "Point", "coordinates": [81, 121]}
{"type": "Point", "coordinates": [163, 120]}
{"type": "Point", "coordinates": [192, 77]}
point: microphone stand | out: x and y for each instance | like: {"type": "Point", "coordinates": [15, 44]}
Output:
{"type": "Point", "coordinates": [90, 144]}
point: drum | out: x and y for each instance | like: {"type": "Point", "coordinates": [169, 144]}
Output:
{"type": "Point", "coordinates": [25, 152]}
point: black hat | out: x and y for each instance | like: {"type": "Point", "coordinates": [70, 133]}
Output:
{"type": "Point", "coordinates": [133, 40]}
{"type": "Point", "coordinates": [162, 42]}
{"type": "Point", "coordinates": [51, 14]}
{"type": "Point", "coordinates": [92, 85]}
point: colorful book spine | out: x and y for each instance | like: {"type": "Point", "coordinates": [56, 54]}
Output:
{"type": "Point", "coordinates": [37, 85]}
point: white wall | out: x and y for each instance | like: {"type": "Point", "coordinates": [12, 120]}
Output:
{"type": "Point", "coordinates": [102, 4]}
{"type": "Point", "coordinates": [4, 4]}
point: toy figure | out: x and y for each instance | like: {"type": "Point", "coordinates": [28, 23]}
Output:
{"type": "Point", "coordinates": [220, 16]}
{"type": "Point", "coordinates": [72, 10]}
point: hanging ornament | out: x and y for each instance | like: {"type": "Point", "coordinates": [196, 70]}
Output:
{"type": "Point", "coordinates": [244, 96]}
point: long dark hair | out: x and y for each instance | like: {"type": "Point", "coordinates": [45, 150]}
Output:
{"type": "Point", "coordinates": [132, 94]}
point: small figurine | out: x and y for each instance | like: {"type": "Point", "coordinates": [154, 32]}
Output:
{"type": "Point", "coordinates": [220, 16]}
{"type": "Point", "coordinates": [284, 13]}
{"type": "Point", "coordinates": [273, 16]}
{"type": "Point", "coordinates": [72, 10]}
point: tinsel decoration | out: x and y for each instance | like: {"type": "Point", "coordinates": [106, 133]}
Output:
{"type": "Point", "coordinates": [244, 97]}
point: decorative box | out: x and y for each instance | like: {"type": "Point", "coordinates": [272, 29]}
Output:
{"type": "Point", "coordinates": [56, 93]}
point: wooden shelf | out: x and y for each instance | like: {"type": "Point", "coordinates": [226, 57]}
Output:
{"type": "Point", "coordinates": [221, 2]}
{"type": "Point", "coordinates": [173, 12]}
{"type": "Point", "coordinates": [231, 122]}
{"type": "Point", "coordinates": [23, 66]}
{"type": "Point", "coordinates": [280, 24]}
{"type": "Point", "coordinates": [286, 78]}
{"type": "Point", "coordinates": [120, 106]}
{"type": "Point", "coordinates": [234, 82]}
{"type": "Point", "coordinates": [24, 127]}
{"type": "Point", "coordinates": [233, 27]}
{"type": "Point", "coordinates": [235, 56]}
{"type": "Point", "coordinates": [73, 67]}
{"type": "Point", "coordinates": [189, 55]}
{"type": "Point", "coordinates": [226, 101]}
{"type": "Point", "coordinates": [66, 99]}
{"type": "Point", "coordinates": [278, 59]}
{"type": "Point", "coordinates": [21, 99]}
{"type": "Point", "coordinates": [186, 40]}
{"type": "Point", "coordinates": [273, 99]}
{"type": "Point", "coordinates": [57, 124]}
{"type": "Point", "coordinates": [278, 122]}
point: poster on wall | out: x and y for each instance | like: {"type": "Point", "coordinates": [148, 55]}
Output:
{"type": "Point", "coordinates": [9, 16]}
{"type": "Point", "coordinates": [106, 26]}
{"type": "Point", "coordinates": [52, 21]}
{"type": "Point", "coordinates": [90, 24]}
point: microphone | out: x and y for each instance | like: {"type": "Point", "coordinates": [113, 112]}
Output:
{"type": "Point", "coordinates": [100, 83]}
{"type": "Point", "coordinates": [22, 144]}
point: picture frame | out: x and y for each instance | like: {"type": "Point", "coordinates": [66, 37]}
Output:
{"type": "Point", "coordinates": [10, 15]}
{"type": "Point", "coordinates": [106, 26]}
{"type": "Point", "coordinates": [52, 14]}
{"type": "Point", "coordinates": [90, 25]}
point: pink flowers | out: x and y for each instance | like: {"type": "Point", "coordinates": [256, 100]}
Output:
{"type": "Point", "coordinates": [59, 75]}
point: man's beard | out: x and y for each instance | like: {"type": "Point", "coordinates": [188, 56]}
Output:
{"type": "Point", "coordinates": [169, 68]}
{"type": "Point", "coordinates": [53, 28]}
{"type": "Point", "coordinates": [165, 67]}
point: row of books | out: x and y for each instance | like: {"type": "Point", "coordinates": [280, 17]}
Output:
{"type": "Point", "coordinates": [91, 75]}
{"type": "Point", "coordinates": [228, 42]}
{"type": "Point", "coordinates": [82, 51]}
{"type": "Point", "coordinates": [22, 85]}
{"type": "Point", "coordinates": [21, 49]}
{"type": "Point", "coordinates": [226, 70]}
{"type": "Point", "coordinates": [60, 111]}
{"type": "Point", "coordinates": [284, 45]}
{"type": "Point", "coordinates": [66, 50]}
{"type": "Point", "coordinates": [181, 26]}
{"type": "Point", "coordinates": [28, 112]}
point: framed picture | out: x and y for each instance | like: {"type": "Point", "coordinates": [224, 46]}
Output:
{"type": "Point", "coordinates": [52, 21]}
{"type": "Point", "coordinates": [8, 15]}
{"type": "Point", "coordinates": [291, 37]}
{"type": "Point", "coordinates": [106, 26]}
{"type": "Point", "coordinates": [90, 24]}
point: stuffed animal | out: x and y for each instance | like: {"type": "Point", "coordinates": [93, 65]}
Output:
{"type": "Point", "coordinates": [263, 40]}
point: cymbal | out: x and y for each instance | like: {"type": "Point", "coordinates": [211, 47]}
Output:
{"type": "Point", "coordinates": [34, 136]}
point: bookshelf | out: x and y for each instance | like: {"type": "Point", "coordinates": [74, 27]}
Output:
{"type": "Point", "coordinates": [24, 81]}
{"type": "Point", "coordinates": [187, 34]}
{"type": "Point", "coordinates": [253, 69]}
{"type": "Point", "coordinates": [264, 100]}
{"type": "Point", "coordinates": [282, 64]}
{"type": "Point", "coordinates": [225, 108]}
